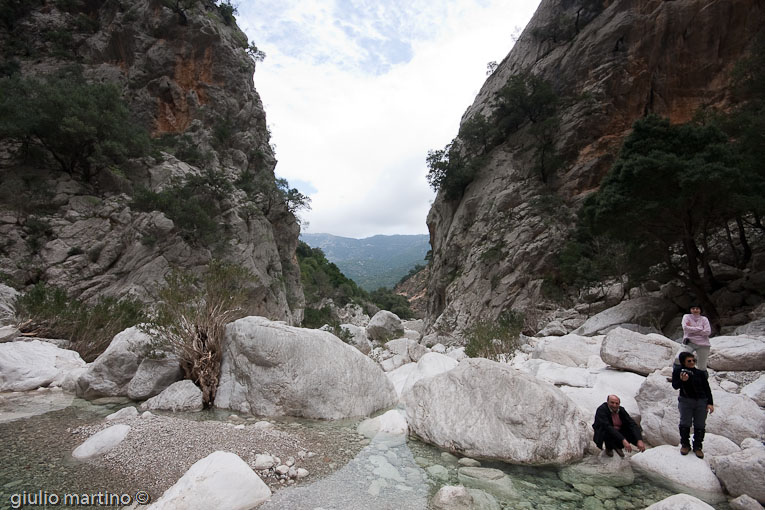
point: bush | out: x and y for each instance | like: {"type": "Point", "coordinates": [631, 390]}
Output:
{"type": "Point", "coordinates": [192, 314]}
{"type": "Point", "coordinates": [47, 311]}
{"type": "Point", "coordinates": [492, 339]}
{"type": "Point", "coordinates": [83, 127]}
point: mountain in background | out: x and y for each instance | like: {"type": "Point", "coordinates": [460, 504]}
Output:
{"type": "Point", "coordinates": [373, 262]}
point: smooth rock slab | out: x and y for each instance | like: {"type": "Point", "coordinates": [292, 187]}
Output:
{"type": "Point", "coordinates": [680, 473]}
{"type": "Point", "coordinates": [489, 410]}
{"type": "Point", "coordinates": [680, 502]}
{"type": "Point", "coordinates": [570, 350]}
{"type": "Point", "coordinates": [635, 352]}
{"type": "Point", "coordinates": [271, 369]}
{"type": "Point", "coordinates": [101, 442]}
{"type": "Point", "coordinates": [220, 480]}
{"type": "Point", "coordinates": [633, 311]}
{"type": "Point", "coordinates": [153, 376]}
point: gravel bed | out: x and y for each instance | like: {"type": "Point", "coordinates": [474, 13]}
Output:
{"type": "Point", "coordinates": [159, 449]}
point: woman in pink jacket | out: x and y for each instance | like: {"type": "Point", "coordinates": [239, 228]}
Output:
{"type": "Point", "coordinates": [696, 331]}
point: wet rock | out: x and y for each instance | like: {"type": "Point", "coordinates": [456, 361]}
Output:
{"type": "Point", "coordinates": [126, 413]}
{"type": "Point", "coordinates": [599, 471]}
{"type": "Point", "coordinates": [452, 497]}
{"type": "Point", "coordinates": [680, 502]}
{"type": "Point", "coordinates": [493, 481]}
{"type": "Point", "coordinates": [438, 472]}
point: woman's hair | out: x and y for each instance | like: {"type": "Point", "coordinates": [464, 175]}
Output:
{"type": "Point", "coordinates": [684, 356]}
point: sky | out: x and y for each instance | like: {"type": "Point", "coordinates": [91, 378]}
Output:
{"type": "Point", "coordinates": [357, 91]}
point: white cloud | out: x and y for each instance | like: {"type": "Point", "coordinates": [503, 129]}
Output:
{"type": "Point", "coordinates": [354, 123]}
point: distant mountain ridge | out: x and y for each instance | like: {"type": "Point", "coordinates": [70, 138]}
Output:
{"type": "Point", "coordinates": [372, 262]}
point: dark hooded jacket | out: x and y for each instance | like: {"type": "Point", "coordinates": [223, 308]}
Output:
{"type": "Point", "coordinates": [604, 427]}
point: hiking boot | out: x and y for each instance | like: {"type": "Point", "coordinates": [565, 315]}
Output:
{"type": "Point", "coordinates": [609, 452]}
{"type": "Point", "coordinates": [685, 449]}
{"type": "Point", "coordinates": [619, 452]}
{"type": "Point", "coordinates": [699, 453]}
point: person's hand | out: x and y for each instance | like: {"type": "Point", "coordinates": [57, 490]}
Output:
{"type": "Point", "coordinates": [641, 445]}
{"type": "Point", "coordinates": [683, 376]}
{"type": "Point", "coordinates": [710, 409]}
{"type": "Point", "coordinates": [627, 445]}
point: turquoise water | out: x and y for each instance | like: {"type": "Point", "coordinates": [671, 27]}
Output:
{"type": "Point", "coordinates": [37, 463]}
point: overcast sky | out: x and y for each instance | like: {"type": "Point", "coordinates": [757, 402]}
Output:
{"type": "Point", "coordinates": [357, 91]}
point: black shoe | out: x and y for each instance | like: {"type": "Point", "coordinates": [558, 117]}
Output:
{"type": "Point", "coordinates": [609, 452]}
{"type": "Point", "coordinates": [619, 452]}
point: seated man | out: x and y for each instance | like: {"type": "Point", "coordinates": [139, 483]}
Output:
{"type": "Point", "coordinates": [614, 427]}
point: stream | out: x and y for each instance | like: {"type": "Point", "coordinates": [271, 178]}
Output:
{"type": "Point", "coordinates": [38, 470]}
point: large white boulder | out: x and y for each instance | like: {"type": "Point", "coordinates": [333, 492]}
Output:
{"type": "Point", "coordinates": [607, 382]}
{"type": "Point", "coordinates": [743, 472]}
{"type": "Point", "coordinates": [634, 311]}
{"type": "Point", "coordinates": [390, 427]}
{"type": "Point", "coordinates": [680, 502]}
{"type": "Point", "coordinates": [8, 297]}
{"type": "Point", "coordinates": [220, 480]}
{"type": "Point", "coordinates": [430, 364]}
{"type": "Point", "coordinates": [399, 376]}
{"type": "Point", "coordinates": [680, 473]}
{"type": "Point", "coordinates": [110, 374]}
{"type": "Point", "coordinates": [756, 391]}
{"type": "Point", "coordinates": [737, 353]}
{"type": "Point", "coordinates": [271, 369]}
{"type": "Point", "coordinates": [180, 396]}
{"type": "Point", "coordinates": [571, 350]}
{"type": "Point", "coordinates": [736, 417]}
{"type": "Point", "coordinates": [29, 365]}
{"type": "Point", "coordinates": [101, 442]}
{"type": "Point", "coordinates": [636, 352]}
{"type": "Point", "coordinates": [384, 326]}
{"type": "Point", "coordinates": [153, 376]}
{"type": "Point", "coordinates": [489, 410]}
{"type": "Point", "coordinates": [559, 375]}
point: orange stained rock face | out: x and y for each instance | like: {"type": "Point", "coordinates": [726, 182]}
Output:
{"type": "Point", "coordinates": [193, 72]}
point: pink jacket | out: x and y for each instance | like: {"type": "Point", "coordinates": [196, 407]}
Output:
{"type": "Point", "coordinates": [697, 330]}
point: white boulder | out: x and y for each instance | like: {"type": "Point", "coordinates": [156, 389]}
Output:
{"type": "Point", "coordinates": [180, 396]}
{"type": "Point", "coordinates": [399, 376]}
{"type": "Point", "coordinates": [271, 369]}
{"type": "Point", "coordinates": [680, 502]}
{"type": "Point", "coordinates": [743, 472]}
{"type": "Point", "coordinates": [220, 480]}
{"type": "Point", "coordinates": [9, 333]}
{"type": "Point", "coordinates": [505, 407]}
{"type": "Point", "coordinates": [126, 413]}
{"type": "Point", "coordinates": [110, 374]}
{"type": "Point", "coordinates": [457, 497]}
{"type": "Point", "coordinates": [153, 376]}
{"type": "Point", "coordinates": [570, 350]}
{"type": "Point", "coordinates": [745, 502]}
{"type": "Point", "coordinates": [384, 326]}
{"type": "Point", "coordinates": [634, 311]}
{"type": "Point", "coordinates": [358, 337]}
{"type": "Point", "coordinates": [636, 352]}
{"type": "Point", "coordinates": [608, 381]}
{"type": "Point", "coordinates": [29, 365]}
{"type": "Point", "coordinates": [429, 365]}
{"type": "Point", "coordinates": [756, 391]}
{"type": "Point", "coordinates": [101, 442]}
{"type": "Point", "coordinates": [390, 427]}
{"type": "Point", "coordinates": [8, 297]}
{"type": "Point", "coordinates": [559, 375]}
{"type": "Point", "coordinates": [680, 473]}
{"type": "Point", "coordinates": [740, 352]}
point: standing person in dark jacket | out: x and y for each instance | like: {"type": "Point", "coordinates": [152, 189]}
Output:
{"type": "Point", "coordinates": [694, 402]}
{"type": "Point", "coordinates": [616, 428]}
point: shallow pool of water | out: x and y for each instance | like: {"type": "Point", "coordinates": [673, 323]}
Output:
{"type": "Point", "coordinates": [37, 464]}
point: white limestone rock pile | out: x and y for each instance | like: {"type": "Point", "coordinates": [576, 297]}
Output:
{"type": "Point", "coordinates": [743, 472]}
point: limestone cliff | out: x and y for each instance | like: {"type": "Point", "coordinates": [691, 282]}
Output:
{"type": "Point", "coordinates": [183, 68]}
{"type": "Point", "coordinates": [609, 62]}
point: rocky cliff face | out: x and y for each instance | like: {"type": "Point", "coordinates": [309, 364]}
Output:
{"type": "Point", "coordinates": [185, 73]}
{"type": "Point", "coordinates": [609, 62]}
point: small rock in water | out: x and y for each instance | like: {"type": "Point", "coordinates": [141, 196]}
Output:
{"type": "Point", "coordinates": [467, 461]}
